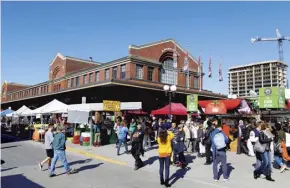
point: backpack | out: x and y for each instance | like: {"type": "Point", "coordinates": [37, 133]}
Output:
{"type": "Point", "coordinates": [219, 141]}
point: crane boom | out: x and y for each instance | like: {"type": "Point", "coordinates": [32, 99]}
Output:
{"type": "Point", "coordinates": [279, 39]}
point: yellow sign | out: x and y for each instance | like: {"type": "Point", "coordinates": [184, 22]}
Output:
{"type": "Point", "coordinates": [112, 106]}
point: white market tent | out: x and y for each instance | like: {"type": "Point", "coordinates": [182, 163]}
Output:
{"type": "Point", "coordinates": [99, 106]}
{"type": "Point", "coordinates": [54, 106]}
{"type": "Point", "coordinates": [17, 112]}
{"type": "Point", "coordinates": [27, 112]}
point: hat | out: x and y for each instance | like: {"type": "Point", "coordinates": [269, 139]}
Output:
{"type": "Point", "coordinates": [180, 126]}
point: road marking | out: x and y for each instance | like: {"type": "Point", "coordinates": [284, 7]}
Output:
{"type": "Point", "coordinates": [95, 156]}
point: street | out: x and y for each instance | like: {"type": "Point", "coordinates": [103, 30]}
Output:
{"type": "Point", "coordinates": [102, 168]}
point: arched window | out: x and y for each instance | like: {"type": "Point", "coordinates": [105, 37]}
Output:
{"type": "Point", "coordinates": [168, 74]}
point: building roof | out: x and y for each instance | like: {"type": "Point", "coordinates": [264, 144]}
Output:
{"type": "Point", "coordinates": [161, 42]}
{"type": "Point", "coordinates": [258, 63]}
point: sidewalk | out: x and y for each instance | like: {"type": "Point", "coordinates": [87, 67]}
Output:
{"type": "Point", "coordinates": [240, 167]}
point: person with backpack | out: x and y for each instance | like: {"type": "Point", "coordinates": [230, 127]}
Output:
{"type": "Point", "coordinates": [219, 146]}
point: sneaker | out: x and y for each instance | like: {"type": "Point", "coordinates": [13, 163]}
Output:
{"type": "Point", "coordinates": [51, 175]}
{"type": "Point", "coordinates": [283, 167]}
{"type": "Point", "coordinates": [227, 179]}
{"type": "Point", "coordinates": [71, 171]}
{"type": "Point", "coordinates": [215, 180]}
{"type": "Point", "coordinates": [40, 166]}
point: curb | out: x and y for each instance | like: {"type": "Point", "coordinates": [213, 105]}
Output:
{"type": "Point", "coordinates": [95, 156]}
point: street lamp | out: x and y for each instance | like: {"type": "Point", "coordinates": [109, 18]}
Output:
{"type": "Point", "coordinates": [170, 92]}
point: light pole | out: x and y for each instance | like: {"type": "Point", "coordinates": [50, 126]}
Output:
{"type": "Point", "coordinates": [170, 92]}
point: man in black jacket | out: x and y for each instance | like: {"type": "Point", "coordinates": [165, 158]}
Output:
{"type": "Point", "coordinates": [137, 147]}
{"type": "Point", "coordinates": [207, 142]}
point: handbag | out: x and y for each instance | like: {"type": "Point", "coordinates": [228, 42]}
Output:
{"type": "Point", "coordinates": [259, 147]}
{"type": "Point", "coordinates": [277, 148]}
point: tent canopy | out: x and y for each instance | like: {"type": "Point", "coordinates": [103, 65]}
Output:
{"type": "Point", "coordinates": [17, 112]}
{"type": "Point", "coordinates": [5, 112]}
{"type": "Point", "coordinates": [54, 106]}
{"type": "Point", "coordinates": [176, 109]}
{"type": "Point", "coordinates": [99, 106]}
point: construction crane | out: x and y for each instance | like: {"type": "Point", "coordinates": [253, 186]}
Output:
{"type": "Point", "coordinates": [279, 39]}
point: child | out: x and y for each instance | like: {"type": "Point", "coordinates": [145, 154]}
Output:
{"type": "Point", "coordinates": [137, 147]}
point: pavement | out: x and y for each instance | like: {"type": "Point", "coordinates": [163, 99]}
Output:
{"type": "Point", "coordinates": [101, 168]}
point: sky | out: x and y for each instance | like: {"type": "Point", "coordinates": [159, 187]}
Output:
{"type": "Point", "coordinates": [33, 32]}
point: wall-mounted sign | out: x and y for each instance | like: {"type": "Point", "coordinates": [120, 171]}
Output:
{"type": "Point", "coordinates": [272, 97]}
{"type": "Point", "coordinates": [192, 103]}
{"type": "Point", "coordinates": [111, 106]}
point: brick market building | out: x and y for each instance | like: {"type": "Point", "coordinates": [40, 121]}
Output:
{"type": "Point", "coordinates": [140, 76]}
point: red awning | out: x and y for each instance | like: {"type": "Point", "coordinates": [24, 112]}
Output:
{"type": "Point", "coordinates": [229, 103]}
{"type": "Point", "coordinates": [176, 109]}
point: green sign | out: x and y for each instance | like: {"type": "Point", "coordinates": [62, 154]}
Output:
{"type": "Point", "coordinates": [272, 97]}
{"type": "Point", "coordinates": [192, 103]}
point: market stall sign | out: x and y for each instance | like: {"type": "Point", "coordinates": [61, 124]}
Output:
{"type": "Point", "coordinates": [111, 106]}
{"type": "Point", "coordinates": [272, 97]}
{"type": "Point", "coordinates": [192, 103]}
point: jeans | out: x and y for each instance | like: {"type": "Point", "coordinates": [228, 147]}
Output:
{"type": "Point", "coordinates": [220, 157]}
{"type": "Point", "coordinates": [164, 161]}
{"type": "Point", "coordinates": [265, 164]}
{"type": "Point", "coordinates": [146, 141]}
{"type": "Point", "coordinates": [59, 154]}
{"type": "Point", "coordinates": [278, 160]}
{"type": "Point", "coordinates": [124, 141]}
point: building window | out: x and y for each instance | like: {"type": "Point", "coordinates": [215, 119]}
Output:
{"type": "Point", "coordinates": [168, 75]}
{"type": "Point", "coordinates": [195, 82]}
{"type": "Point", "coordinates": [85, 79]}
{"type": "Point", "coordinates": [115, 70]}
{"type": "Point", "coordinates": [41, 90]}
{"type": "Point", "coordinates": [97, 76]}
{"type": "Point", "coordinates": [150, 73]}
{"type": "Point", "coordinates": [77, 81]}
{"type": "Point", "coordinates": [68, 83]}
{"type": "Point", "coordinates": [72, 82]}
{"type": "Point", "coordinates": [123, 71]}
{"type": "Point", "coordinates": [107, 74]}
{"type": "Point", "coordinates": [139, 71]}
{"type": "Point", "coordinates": [91, 77]}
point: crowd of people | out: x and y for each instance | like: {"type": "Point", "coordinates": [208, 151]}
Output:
{"type": "Point", "coordinates": [210, 139]}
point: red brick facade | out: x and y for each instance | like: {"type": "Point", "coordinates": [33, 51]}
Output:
{"type": "Point", "coordinates": [64, 70]}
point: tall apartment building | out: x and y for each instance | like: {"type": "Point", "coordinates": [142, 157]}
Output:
{"type": "Point", "coordinates": [243, 79]}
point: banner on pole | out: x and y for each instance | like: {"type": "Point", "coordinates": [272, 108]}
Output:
{"type": "Point", "coordinates": [192, 103]}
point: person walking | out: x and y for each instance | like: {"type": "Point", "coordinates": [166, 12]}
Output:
{"type": "Point", "coordinates": [194, 130]}
{"type": "Point", "coordinates": [122, 136]}
{"type": "Point", "coordinates": [59, 147]}
{"type": "Point", "coordinates": [97, 131]}
{"type": "Point", "coordinates": [200, 136]}
{"type": "Point", "coordinates": [174, 130]}
{"type": "Point", "coordinates": [164, 151]}
{"type": "Point", "coordinates": [48, 139]}
{"type": "Point", "coordinates": [137, 147]}
{"type": "Point", "coordinates": [280, 137]}
{"type": "Point", "coordinates": [262, 148]}
{"type": "Point", "coordinates": [219, 146]}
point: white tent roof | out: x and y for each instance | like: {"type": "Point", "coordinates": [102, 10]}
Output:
{"type": "Point", "coordinates": [99, 106]}
{"type": "Point", "coordinates": [27, 112]}
{"type": "Point", "coordinates": [54, 106]}
{"type": "Point", "coordinates": [18, 112]}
